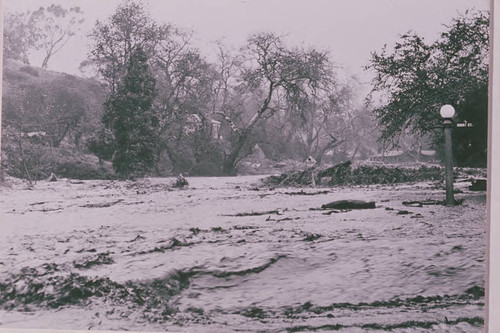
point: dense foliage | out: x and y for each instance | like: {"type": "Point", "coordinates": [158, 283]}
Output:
{"type": "Point", "coordinates": [414, 79]}
{"type": "Point", "coordinates": [183, 80]}
{"type": "Point", "coordinates": [131, 119]}
{"type": "Point", "coordinates": [344, 174]}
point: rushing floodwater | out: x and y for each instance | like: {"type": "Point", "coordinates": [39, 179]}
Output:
{"type": "Point", "coordinates": [222, 255]}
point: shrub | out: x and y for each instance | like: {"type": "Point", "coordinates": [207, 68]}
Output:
{"type": "Point", "coordinates": [37, 162]}
{"type": "Point", "coordinates": [29, 70]}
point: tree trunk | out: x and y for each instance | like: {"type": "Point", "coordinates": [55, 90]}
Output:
{"type": "Point", "coordinates": [230, 161]}
{"type": "Point", "coordinates": [56, 142]}
{"type": "Point", "coordinates": [229, 166]}
{"type": "Point", "coordinates": [23, 160]}
{"type": "Point", "coordinates": [45, 62]}
{"type": "Point", "coordinates": [355, 151]}
{"type": "Point", "coordinates": [176, 166]}
{"type": "Point", "coordinates": [330, 145]}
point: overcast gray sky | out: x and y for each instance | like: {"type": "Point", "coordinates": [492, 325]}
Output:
{"type": "Point", "coordinates": [350, 29]}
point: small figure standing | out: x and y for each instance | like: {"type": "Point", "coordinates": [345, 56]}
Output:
{"type": "Point", "coordinates": [52, 178]}
{"type": "Point", "coordinates": [311, 164]}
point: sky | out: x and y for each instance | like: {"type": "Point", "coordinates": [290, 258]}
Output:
{"type": "Point", "coordinates": [349, 29]}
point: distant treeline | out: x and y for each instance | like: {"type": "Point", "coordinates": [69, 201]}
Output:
{"type": "Point", "coordinates": [157, 106]}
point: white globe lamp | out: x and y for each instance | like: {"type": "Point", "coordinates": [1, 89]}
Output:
{"type": "Point", "coordinates": [447, 111]}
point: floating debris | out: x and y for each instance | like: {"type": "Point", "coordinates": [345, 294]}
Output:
{"type": "Point", "coordinates": [344, 174]}
{"type": "Point", "coordinates": [102, 205]}
{"type": "Point", "coordinates": [180, 182]}
{"type": "Point", "coordinates": [276, 211]}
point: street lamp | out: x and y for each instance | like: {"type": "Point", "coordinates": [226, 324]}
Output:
{"type": "Point", "coordinates": [447, 112]}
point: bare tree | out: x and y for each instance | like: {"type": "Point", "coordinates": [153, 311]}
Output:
{"type": "Point", "coordinates": [271, 74]}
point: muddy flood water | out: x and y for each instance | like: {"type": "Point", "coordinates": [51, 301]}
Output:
{"type": "Point", "coordinates": [226, 254]}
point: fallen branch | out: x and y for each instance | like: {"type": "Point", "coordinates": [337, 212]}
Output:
{"type": "Point", "coordinates": [422, 203]}
{"type": "Point", "coordinates": [330, 212]}
{"type": "Point", "coordinates": [277, 212]}
{"type": "Point", "coordinates": [306, 193]}
{"type": "Point", "coordinates": [102, 205]}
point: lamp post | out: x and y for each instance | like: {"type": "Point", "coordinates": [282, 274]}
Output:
{"type": "Point", "coordinates": [447, 112]}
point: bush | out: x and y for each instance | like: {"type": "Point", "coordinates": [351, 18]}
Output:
{"type": "Point", "coordinates": [82, 170]}
{"type": "Point", "coordinates": [29, 70]}
{"type": "Point", "coordinates": [37, 162]}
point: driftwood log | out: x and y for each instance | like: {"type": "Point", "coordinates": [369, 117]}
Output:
{"type": "Point", "coordinates": [349, 204]}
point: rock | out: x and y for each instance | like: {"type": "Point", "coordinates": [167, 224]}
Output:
{"type": "Point", "coordinates": [349, 204]}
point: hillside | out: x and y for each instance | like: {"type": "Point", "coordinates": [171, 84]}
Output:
{"type": "Point", "coordinates": [18, 78]}
{"type": "Point", "coordinates": [46, 120]}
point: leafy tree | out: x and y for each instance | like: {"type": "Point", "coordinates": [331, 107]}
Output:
{"type": "Point", "coordinates": [19, 36]}
{"type": "Point", "coordinates": [130, 117]}
{"type": "Point", "coordinates": [183, 77]}
{"type": "Point", "coordinates": [185, 81]}
{"type": "Point", "coordinates": [414, 79]}
{"type": "Point", "coordinates": [47, 29]}
{"type": "Point", "coordinates": [114, 40]}
{"type": "Point", "coordinates": [102, 144]}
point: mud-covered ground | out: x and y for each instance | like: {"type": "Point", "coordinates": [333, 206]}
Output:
{"type": "Point", "coordinates": [225, 254]}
